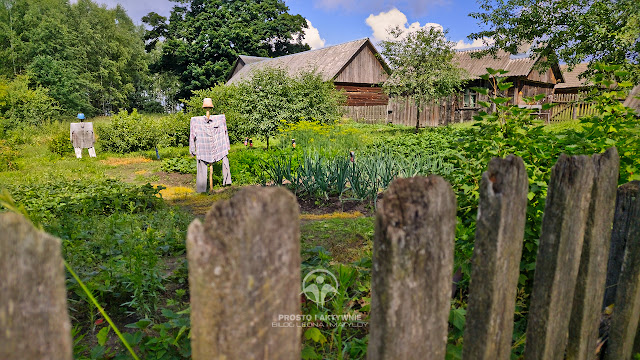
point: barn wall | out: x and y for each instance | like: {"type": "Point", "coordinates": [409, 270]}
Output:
{"type": "Point", "coordinates": [365, 68]}
{"type": "Point", "coordinates": [376, 114]}
{"type": "Point", "coordinates": [363, 95]}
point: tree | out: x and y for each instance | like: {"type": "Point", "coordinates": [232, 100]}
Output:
{"type": "Point", "coordinates": [423, 66]}
{"type": "Point", "coordinates": [272, 98]}
{"type": "Point", "coordinates": [572, 31]}
{"type": "Point", "coordinates": [204, 37]}
{"type": "Point", "coordinates": [91, 58]}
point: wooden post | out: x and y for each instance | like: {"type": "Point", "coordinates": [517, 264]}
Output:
{"type": "Point", "coordinates": [34, 322]}
{"type": "Point", "coordinates": [587, 300]}
{"type": "Point", "coordinates": [244, 277]}
{"type": "Point", "coordinates": [624, 323]}
{"type": "Point", "coordinates": [496, 260]}
{"type": "Point", "coordinates": [625, 202]}
{"type": "Point", "coordinates": [412, 267]}
{"type": "Point", "coordinates": [558, 259]}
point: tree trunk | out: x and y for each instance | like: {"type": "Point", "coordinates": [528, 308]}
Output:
{"type": "Point", "coordinates": [418, 119]}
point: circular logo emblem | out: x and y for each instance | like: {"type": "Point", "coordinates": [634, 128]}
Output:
{"type": "Point", "coordinates": [319, 286]}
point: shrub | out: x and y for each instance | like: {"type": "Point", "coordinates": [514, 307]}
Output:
{"type": "Point", "coordinates": [179, 165]}
{"type": "Point", "coordinates": [21, 105]}
{"type": "Point", "coordinates": [60, 144]}
{"type": "Point", "coordinates": [7, 156]}
{"type": "Point", "coordinates": [129, 132]}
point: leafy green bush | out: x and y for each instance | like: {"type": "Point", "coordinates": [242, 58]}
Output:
{"type": "Point", "coordinates": [8, 156]}
{"type": "Point", "coordinates": [180, 165]}
{"type": "Point", "coordinates": [22, 105]}
{"type": "Point", "coordinates": [56, 197]}
{"type": "Point", "coordinates": [269, 100]}
{"type": "Point", "coordinates": [129, 132]}
{"type": "Point", "coordinates": [60, 144]}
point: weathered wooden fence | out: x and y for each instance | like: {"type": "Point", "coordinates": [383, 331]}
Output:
{"type": "Point", "coordinates": [570, 107]}
{"type": "Point", "coordinates": [244, 271]}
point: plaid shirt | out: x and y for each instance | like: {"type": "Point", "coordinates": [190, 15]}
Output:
{"type": "Point", "coordinates": [209, 140]}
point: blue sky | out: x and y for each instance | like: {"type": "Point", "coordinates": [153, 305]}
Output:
{"type": "Point", "coordinates": [337, 21]}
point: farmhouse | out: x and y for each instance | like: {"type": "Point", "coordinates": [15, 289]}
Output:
{"type": "Point", "coordinates": [573, 84]}
{"type": "Point", "coordinates": [355, 67]}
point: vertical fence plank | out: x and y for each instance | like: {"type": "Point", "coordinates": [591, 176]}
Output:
{"type": "Point", "coordinates": [244, 275]}
{"type": "Point", "coordinates": [412, 267]}
{"type": "Point", "coordinates": [587, 300]}
{"type": "Point", "coordinates": [624, 324]}
{"type": "Point", "coordinates": [625, 202]}
{"type": "Point", "coordinates": [34, 323]}
{"type": "Point", "coordinates": [496, 260]}
{"type": "Point", "coordinates": [558, 258]}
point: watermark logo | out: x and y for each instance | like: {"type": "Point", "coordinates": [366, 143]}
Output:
{"type": "Point", "coordinates": [319, 286]}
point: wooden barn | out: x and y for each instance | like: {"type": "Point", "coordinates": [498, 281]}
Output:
{"type": "Point", "coordinates": [463, 106]}
{"type": "Point", "coordinates": [354, 67]}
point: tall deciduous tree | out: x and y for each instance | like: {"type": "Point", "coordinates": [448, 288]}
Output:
{"type": "Point", "coordinates": [423, 66]}
{"type": "Point", "coordinates": [203, 38]}
{"type": "Point", "coordinates": [572, 31]}
{"type": "Point", "coordinates": [91, 58]}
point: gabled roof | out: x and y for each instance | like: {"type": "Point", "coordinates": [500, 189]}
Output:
{"type": "Point", "coordinates": [516, 65]}
{"type": "Point", "coordinates": [328, 61]}
{"type": "Point", "coordinates": [571, 79]}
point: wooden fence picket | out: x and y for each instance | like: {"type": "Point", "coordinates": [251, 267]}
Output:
{"type": "Point", "coordinates": [558, 258]}
{"type": "Point", "coordinates": [587, 300]}
{"type": "Point", "coordinates": [496, 260]}
{"type": "Point", "coordinates": [412, 267]}
{"type": "Point", "coordinates": [244, 276]}
{"type": "Point", "coordinates": [626, 311]}
{"type": "Point", "coordinates": [245, 282]}
{"type": "Point", "coordinates": [34, 320]}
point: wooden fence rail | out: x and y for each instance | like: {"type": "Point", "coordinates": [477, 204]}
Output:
{"type": "Point", "coordinates": [244, 271]}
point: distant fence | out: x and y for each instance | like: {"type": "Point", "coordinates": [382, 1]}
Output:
{"type": "Point", "coordinates": [244, 271]}
{"type": "Point", "coordinates": [570, 107]}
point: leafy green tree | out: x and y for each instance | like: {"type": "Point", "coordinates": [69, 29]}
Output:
{"type": "Point", "coordinates": [91, 58]}
{"type": "Point", "coordinates": [422, 66]}
{"type": "Point", "coordinates": [272, 98]}
{"type": "Point", "coordinates": [203, 38]}
{"type": "Point", "coordinates": [572, 31]}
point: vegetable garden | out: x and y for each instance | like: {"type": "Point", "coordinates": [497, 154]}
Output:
{"type": "Point", "coordinates": [122, 217]}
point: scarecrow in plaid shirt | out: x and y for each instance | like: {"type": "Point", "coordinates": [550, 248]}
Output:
{"type": "Point", "coordinates": [209, 143]}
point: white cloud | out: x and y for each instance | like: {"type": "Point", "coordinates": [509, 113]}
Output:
{"type": "Point", "coordinates": [312, 37]}
{"type": "Point", "coordinates": [381, 23]}
{"type": "Point", "coordinates": [460, 45]}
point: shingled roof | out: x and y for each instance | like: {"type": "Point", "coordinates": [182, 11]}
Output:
{"type": "Point", "coordinates": [571, 79]}
{"type": "Point", "coordinates": [516, 65]}
{"type": "Point", "coordinates": [328, 61]}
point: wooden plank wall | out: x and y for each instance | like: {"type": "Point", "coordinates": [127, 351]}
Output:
{"type": "Point", "coordinates": [364, 95]}
{"type": "Point", "coordinates": [376, 114]}
{"type": "Point", "coordinates": [444, 112]}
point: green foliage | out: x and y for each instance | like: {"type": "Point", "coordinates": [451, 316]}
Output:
{"type": "Point", "coordinates": [600, 30]}
{"type": "Point", "coordinates": [272, 98]}
{"type": "Point", "coordinates": [8, 155]}
{"type": "Point", "coordinates": [22, 105]}
{"type": "Point", "coordinates": [325, 337]}
{"type": "Point", "coordinates": [225, 100]}
{"type": "Point", "coordinates": [55, 198]}
{"type": "Point", "coordinates": [128, 132]}
{"type": "Point", "coordinates": [90, 58]}
{"type": "Point", "coordinates": [271, 101]}
{"type": "Point", "coordinates": [60, 143]}
{"type": "Point", "coordinates": [202, 39]}
{"type": "Point", "coordinates": [613, 124]}
{"type": "Point", "coordinates": [317, 176]}
{"type": "Point", "coordinates": [180, 165]}
{"type": "Point", "coordinates": [422, 65]}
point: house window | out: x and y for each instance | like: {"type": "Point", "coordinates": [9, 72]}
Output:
{"type": "Point", "coordinates": [470, 98]}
